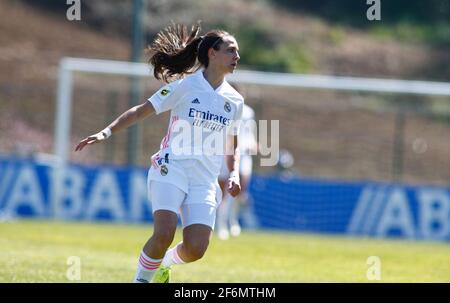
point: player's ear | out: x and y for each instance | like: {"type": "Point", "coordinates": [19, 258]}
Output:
{"type": "Point", "coordinates": [211, 52]}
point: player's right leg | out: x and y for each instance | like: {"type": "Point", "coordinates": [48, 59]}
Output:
{"type": "Point", "coordinates": [165, 224]}
{"type": "Point", "coordinates": [166, 200]}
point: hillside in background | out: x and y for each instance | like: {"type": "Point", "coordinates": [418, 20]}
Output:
{"type": "Point", "coordinates": [34, 36]}
{"type": "Point", "coordinates": [326, 37]}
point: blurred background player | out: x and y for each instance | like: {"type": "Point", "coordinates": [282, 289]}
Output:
{"type": "Point", "coordinates": [232, 208]}
{"type": "Point", "coordinates": [285, 166]}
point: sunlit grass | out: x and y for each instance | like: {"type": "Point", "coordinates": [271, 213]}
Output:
{"type": "Point", "coordinates": [38, 251]}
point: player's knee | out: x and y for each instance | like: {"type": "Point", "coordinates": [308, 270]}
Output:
{"type": "Point", "coordinates": [196, 249]}
{"type": "Point", "coordinates": [163, 238]}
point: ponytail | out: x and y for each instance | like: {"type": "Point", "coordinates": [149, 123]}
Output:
{"type": "Point", "coordinates": [175, 51]}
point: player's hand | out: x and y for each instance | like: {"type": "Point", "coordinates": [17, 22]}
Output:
{"type": "Point", "coordinates": [234, 187]}
{"type": "Point", "coordinates": [96, 138]}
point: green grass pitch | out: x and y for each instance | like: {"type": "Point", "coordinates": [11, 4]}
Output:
{"type": "Point", "coordinates": [38, 251]}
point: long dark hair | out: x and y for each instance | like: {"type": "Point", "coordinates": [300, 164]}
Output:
{"type": "Point", "coordinates": [175, 51]}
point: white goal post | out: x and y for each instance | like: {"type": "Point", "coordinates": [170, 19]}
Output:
{"type": "Point", "coordinates": [69, 66]}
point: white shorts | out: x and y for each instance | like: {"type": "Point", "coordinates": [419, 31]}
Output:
{"type": "Point", "coordinates": [187, 189]}
{"type": "Point", "coordinates": [245, 167]}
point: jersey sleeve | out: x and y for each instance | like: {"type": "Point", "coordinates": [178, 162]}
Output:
{"type": "Point", "coordinates": [167, 97]}
{"type": "Point", "coordinates": [237, 120]}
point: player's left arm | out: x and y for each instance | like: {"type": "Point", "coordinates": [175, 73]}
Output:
{"type": "Point", "coordinates": [233, 159]}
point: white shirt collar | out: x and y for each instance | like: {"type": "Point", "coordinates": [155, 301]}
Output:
{"type": "Point", "coordinates": [201, 78]}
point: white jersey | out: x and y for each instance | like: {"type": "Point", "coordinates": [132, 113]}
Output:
{"type": "Point", "coordinates": [200, 120]}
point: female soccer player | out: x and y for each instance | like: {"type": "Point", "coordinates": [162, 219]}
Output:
{"type": "Point", "coordinates": [184, 180]}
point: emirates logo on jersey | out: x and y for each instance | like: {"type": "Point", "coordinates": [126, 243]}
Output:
{"type": "Point", "coordinates": [227, 107]}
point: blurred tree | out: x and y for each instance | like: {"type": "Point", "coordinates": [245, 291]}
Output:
{"type": "Point", "coordinates": [353, 12]}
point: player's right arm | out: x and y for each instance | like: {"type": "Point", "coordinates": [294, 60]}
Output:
{"type": "Point", "coordinates": [166, 98]}
{"type": "Point", "coordinates": [126, 119]}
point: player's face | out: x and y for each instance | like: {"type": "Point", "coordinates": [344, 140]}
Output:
{"type": "Point", "coordinates": [227, 57]}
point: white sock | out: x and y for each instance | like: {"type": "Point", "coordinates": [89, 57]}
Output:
{"type": "Point", "coordinates": [146, 268]}
{"type": "Point", "coordinates": [171, 257]}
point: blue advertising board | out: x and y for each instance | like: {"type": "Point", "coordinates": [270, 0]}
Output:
{"type": "Point", "coordinates": [119, 194]}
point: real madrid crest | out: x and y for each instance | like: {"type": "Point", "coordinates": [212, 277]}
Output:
{"type": "Point", "coordinates": [164, 170]}
{"type": "Point", "coordinates": [164, 92]}
{"type": "Point", "coordinates": [227, 107]}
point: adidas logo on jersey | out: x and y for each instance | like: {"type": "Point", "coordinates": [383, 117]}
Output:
{"type": "Point", "coordinates": [195, 101]}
